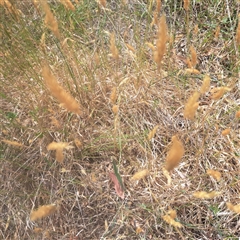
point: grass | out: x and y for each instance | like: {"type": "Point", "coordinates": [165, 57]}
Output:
{"type": "Point", "coordinates": [147, 95]}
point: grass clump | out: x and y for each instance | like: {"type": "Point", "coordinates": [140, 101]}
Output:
{"type": "Point", "coordinates": [148, 120]}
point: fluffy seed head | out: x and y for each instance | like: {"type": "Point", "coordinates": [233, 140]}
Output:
{"type": "Point", "coordinates": [50, 20]}
{"type": "Point", "coordinates": [186, 5]}
{"type": "Point", "coordinates": [113, 47]}
{"type": "Point", "coordinates": [195, 31]}
{"type": "Point", "coordinates": [141, 174]}
{"type": "Point", "coordinates": [68, 4]}
{"type": "Point", "coordinates": [115, 109]}
{"type": "Point", "coordinates": [174, 155]}
{"type": "Point", "coordinates": [59, 147]}
{"type": "Point", "coordinates": [191, 106]}
{"type": "Point", "coordinates": [166, 173]}
{"type": "Point", "coordinates": [152, 133]}
{"type": "Point", "coordinates": [215, 174]}
{"type": "Point", "coordinates": [161, 41]}
{"type": "Point", "coordinates": [43, 211]}
{"type": "Point", "coordinates": [169, 218]}
{"type": "Point", "coordinates": [206, 195]}
{"type": "Point", "coordinates": [217, 93]}
{"type": "Point", "coordinates": [234, 208]}
{"type": "Point", "coordinates": [205, 85]}
{"type": "Point", "coordinates": [113, 96]}
{"type": "Point", "coordinates": [237, 115]}
{"type": "Point", "coordinates": [13, 143]}
{"type": "Point", "coordinates": [191, 70]}
{"type": "Point", "coordinates": [193, 56]}
{"type": "Point", "coordinates": [225, 132]}
{"type": "Point", "coordinates": [103, 3]}
{"type": "Point", "coordinates": [58, 91]}
{"type": "Point", "coordinates": [159, 4]}
{"type": "Point", "coordinates": [217, 32]}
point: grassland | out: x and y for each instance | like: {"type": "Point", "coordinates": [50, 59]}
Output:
{"type": "Point", "coordinates": [102, 60]}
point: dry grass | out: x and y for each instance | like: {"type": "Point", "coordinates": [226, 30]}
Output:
{"type": "Point", "coordinates": [121, 108]}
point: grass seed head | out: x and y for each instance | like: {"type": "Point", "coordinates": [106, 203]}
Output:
{"type": "Point", "coordinates": [55, 122]}
{"type": "Point", "coordinates": [152, 133]}
{"type": "Point", "coordinates": [215, 174]}
{"type": "Point", "coordinates": [59, 155]}
{"type": "Point", "coordinates": [36, 4]}
{"type": "Point", "coordinates": [226, 131]}
{"type": "Point", "coordinates": [217, 93]}
{"type": "Point", "coordinates": [37, 230]}
{"type": "Point", "coordinates": [113, 48]}
{"type": "Point", "coordinates": [237, 115]}
{"type": "Point", "coordinates": [113, 95]}
{"type": "Point", "coordinates": [141, 174]}
{"type": "Point", "coordinates": [115, 109]}
{"type": "Point", "coordinates": [68, 4]}
{"type": "Point", "coordinates": [191, 71]}
{"type": "Point", "coordinates": [59, 146]}
{"type": "Point", "coordinates": [206, 195]}
{"type": "Point", "coordinates": [159, 5]}
{"type": "Point", "coordinates": [205, 85]}
{"type": "Point", "coordinates": [151, 46]}
{"type": "Point", "coordinates": [189, 63]}
{"type": "Point", "coordinates": [186, 4]}
{"type": "Point", "coordinates": [78, 143]}
{"type": "Point", "coordinates": [103, 3]}
{"type": "Point", "coordinates": [172, 213]}
{"type": "Point", "coordinates": [175, 154]}
{"type": "Point", "coordinates": [193, 56]}
{"type": "Point", "coordinates": [13, 143]}
{"type": "Point", "coordinates": [155, 19]}
{"type": "Point", "coordinates": [50, 20]}
{"type": "Point", "coordinates": [43, 43]}
{"type": "Point", "coordinates": [233, 208]}
{"type": "Point", "coordinates": [196, 29]}
{"type": "Point", "coordinates": [42, 212]}
{"type": "Point", "coordinates": [10, 8]}
{"type": "Point", "coordinates": [162, 38]}
{"type": "Point", "coordinates": [166, 173]}
{"type": "Point", "coordinates": [131, 48]}
{"type": "Point", "coordinates": [217, 32]}
{"type": "Point", "coordinates": [191, 106]}
{"type": "Point", "coordinates": [171, 221]}
{"type": "Point", "coordinates": [169, 218]}
{"type": "Point", "coordinates": [58, 92]}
